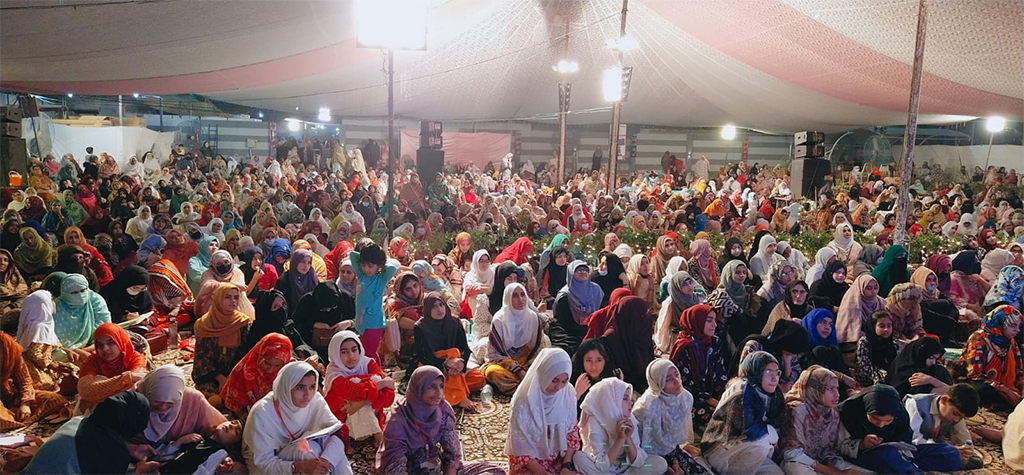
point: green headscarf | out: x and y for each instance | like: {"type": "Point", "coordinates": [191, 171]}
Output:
{"type": "Point", "coordinates": [892, 270]}
{"type": "Point", "coordinates": [31, 259]}
{"type": "Point", "coordinates": [737, 292]}
{"type": "Point", "coordinates": [75, 210]}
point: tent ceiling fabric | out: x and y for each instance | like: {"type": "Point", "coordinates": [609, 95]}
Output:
{"type": "Point", "coordinates": [774, 65]}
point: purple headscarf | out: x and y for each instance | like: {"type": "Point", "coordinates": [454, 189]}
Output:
{"type": "Point", "coordinates": [414, 419]}
{"type": "Point", "coordinates": [301, 284]}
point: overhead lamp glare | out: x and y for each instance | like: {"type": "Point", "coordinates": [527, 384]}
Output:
{"type": "Point", "coordinates": [729, 132]}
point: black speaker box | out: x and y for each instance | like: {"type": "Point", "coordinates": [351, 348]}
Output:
{"type": "Point", "coordinates": [429, 162]}
{"type": "Point", "coordinates": [807, 176]}
{"type": "Point", "coordinates": [13, 158]}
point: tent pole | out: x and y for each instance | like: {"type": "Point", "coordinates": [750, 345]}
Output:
{"type": "Point", "coordinates": [391, 145]}
{"type": "Point", "coordinates": [910, 134]}
{"type": "Point", "coordinates": [613, 147]}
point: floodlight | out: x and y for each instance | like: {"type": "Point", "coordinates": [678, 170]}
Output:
{"type": "Point", "coordinates": [260, 115]}
{"type": "Point", "coordinates": [71, 94]}
{"type": "Point", "coordinates": [135, 95]}
{"type": "Point", "coordinates": [729, 132]}
{"type": "Point", "coordinates": [566, 66]}
{"type": "Point", "coordinates": [391, 24]}
{"type": "Point", "coordinates": [613, 84]}
{"type": "Point", "coordinates": [325, 114]}
{"type": "Point", "coordinates": [293, 124]}
{"type": "Point", "coordinates": [995, 124]}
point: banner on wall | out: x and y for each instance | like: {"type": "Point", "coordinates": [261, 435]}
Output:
{"type": "Point", "coordinates": [121, 142]}
{"type": "Point", "coordinates": [464, 148]}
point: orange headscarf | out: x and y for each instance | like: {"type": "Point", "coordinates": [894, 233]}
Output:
{"type": "Point", "coordinates": [248, 382]}
{"type": "Point", "coordinates": [130, 359]}
{"type": "Point", "coordinates": [220, 323]}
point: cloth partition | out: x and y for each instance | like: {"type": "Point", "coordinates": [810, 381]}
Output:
{"type": "Point", "coordinates": [464, 148]}
{"type": "Point", "coordinates": [121, 142]}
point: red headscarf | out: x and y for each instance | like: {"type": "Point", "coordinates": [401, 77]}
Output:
{"type": "Point", "coordinates": [516, 252]}
{"type": "Point", "coordinates": [333, 259]}
{"type": "Point", "coordinates": [129, 360]}
{"type": "Point", "coordinates": [691, 330]}
{"type": "Point", "coordinates": [600, 321]}
{"type": "Point", "coordinates": [248, 382]}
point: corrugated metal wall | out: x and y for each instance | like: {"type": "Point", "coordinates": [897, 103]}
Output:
{"type": "Point", "coordinates": [540, 140]}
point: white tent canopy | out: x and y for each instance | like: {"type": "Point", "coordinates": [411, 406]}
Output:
{"type": "Point", "coordinates": [774, 65]}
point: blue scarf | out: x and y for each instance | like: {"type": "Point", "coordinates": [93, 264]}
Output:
{"type": "Point", "coordinates": [758, 406]}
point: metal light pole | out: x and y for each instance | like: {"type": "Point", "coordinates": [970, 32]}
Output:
{"type": "Point", "coordinates": [563, 110]}
{"type": "Point", "coordinates": [613, 148]}
{"type": "Point", "coordinates": [391, 144]}
{"type": "Point", "coordinates": [910, 134]}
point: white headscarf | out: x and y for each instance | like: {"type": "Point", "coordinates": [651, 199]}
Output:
{"type": "Point", "coordinates": [209, 229]}
{"type": "Point", "coordinates": [348, 211]}
{"type": "Point", "coordinates": [675, 264]}
{"type": "Point", "coordinates": [841, 242]}
{"type": "Point", "coordinates": [164, 384]}
{"type": "Point", "coordinates": [517, 328]}
{"type": "Point", "coordinates": [36, 322]}
{"type": "Point", "coordinates": [665, 419]}
{"type": "Point", "coordinates": [338, 369]}
{"type": "Point", "coordinates": [540, 422]}
{"type": "Point", "coordinates": [603, 406]}
{"type": "Point", "coordinates": [297, 420]}
{"type": "Point", "coordinates": [821, 259]}
{"type": "Point", "coordinates": [483, 279]}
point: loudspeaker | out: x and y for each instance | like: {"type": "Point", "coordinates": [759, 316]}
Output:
{"type": "Point", "coordinates": [13, 158]}
{"type": "Point", "coordinates": [815, 150]}
{"type": "Point", "coordinates": [10, 129]}
{"type": "Point", "coordinates": [807, 176]}
{"type": "Point", "coordinates": [429, 163]}
{"type": "Point", "coordinates": [10, 114]}
{"type": "Point", "coordinates": [431, 134]}
{"type": "Point", "coordinates": [801, 138]}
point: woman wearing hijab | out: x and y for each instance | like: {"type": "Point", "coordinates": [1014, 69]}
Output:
{"type": "Point", "coordinates": [665, 249]}
{"type": "Point", "coordinates": [904, 305]}
{"type": "Point", "coordinates": [34, 256]}
{"type": "Point", "coordinates": [324, 310]}
{"type": "Point", "coordinates": [222, 270]}
{"type": "Point", "coordinates": [793, 306]}
{"type": "Point", "coordinates": [21, 402]}
{"type": "Point", "coordinates": [259, 275]}
{"type": "Point", "coordinates": [34, 208]}
{"type": "Point", "coordinates": [128, 295]}
{"type": "Point", "coordinates": [991, 361]}
{"type": "Point", "coordinates": [169, 290]}
{"type": "Point", "coordinates": [38, 341]}
{"type": "Point", "coordinates": [994, 261]}
{"type": "Point", "coordinates": [822, 259]}
{"type": "Point", "coordinates": [516, 339]}
{"type": "Point", "coordinates": [139, 226]}
{"type": "Point", "coordinates": [479, 279]}
{"type": "Point", "coordinates": [610, 275]}
{"type": "Point", "coordinates": [735, 304]}
{"type": "Point", "coordinates": [420, 437]}
{"type": "Point", "coordinates": [809, 444]}
{"type": "Point", "coordinates": [355, 383]}
{"type": "Point", "coordinates": [663, 413]}
{"type": "Point", "coordinates": [761, 264]}
{"type": "Point", "coordinates": [179, 415]}
{"type": "Point", "coordinates": [942, 265]}
{"type": "Point", "coordinates": [97, 443]}
{"type": "Point", "coordinates": [546, 256]}
{"type": "Point", "coordinates": [868, 259]}
{"type": "Point", "coordinates": [743, 430]}
{"type": "Point", "coordinates": [13, 287]}
{"type": "Point", "coordinates": [219, 334]}
{"type": "Point", "coordinates": [733, 250]}
{"type": "Point", "coordinates": [574, 304]}
{"type": "Point", "coordinates": [485, 306]}
{"type": "Point", "coordinates": [441, 343]}
{"type": "Point", "coordinates": [939, 315]}
{"type": "Point", "coordinates": [773, 291]}
{"type": "Point", "coordinates": [516, 252]}
{"type": "Point", "coordinates": [253, 376]}
{"type": "Point", "coordinates": [855, 310]}
{"type": "Point", "coordinates": [79, 311]}
{"type": "Point", "coordinates": [406, 306]}
{"type": "Point", "coordinates": [201, 262]}
{"type": "Point", "coordinates": [699, 357]}
{"type": "Point", "coordinates": [1008, 288]}
{"type": "Point", "coordinates": [702, 266]}
{"type": "Point", "coordinates": [847, 250]}
{"type": "Point", "coordinates": [967, 288]}
{"type": "Point", "coordinates": [641, 279]}
{"type": "Point", "coordinates": [876, 350]}
{"type": "Point", "coordinates": [300, 279]}
{"type": "Point", "coordinates": [877, 416]}
{"type": "Point", "coordinates": [821, 327]}
{"type": "Point", "coordinates": [628, 340]}
{"type": "Point", "coordinates": [115, 367]}
{"type": "Point", "coordinates": [543, 436]}
{"type": "Point", "coordinates": [682, 295]}
{"type": "Point", "coordinates": [73, 237]}
{"type": "Point", "coordinates": [611, 441]}
{"type": "Point", "coordinates": [892, 270]}
{"type": "Point", "coordinates": [675, 265]}
{"type": "Point", "coordinates": [916, 370]}
{"type": "Point", "coordinates": [292, 429]}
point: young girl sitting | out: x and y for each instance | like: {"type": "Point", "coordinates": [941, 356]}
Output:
{"type": "Point", "coordinates": [355, 383]}
{"type": "Point", "coordinates": [809, 444]}
{"type": "Point", "coordinates": [665, 420]}
{"type": "Point", "coordinates": [611, 443]}
{"type": "Point", "coordinates": [876, 350]}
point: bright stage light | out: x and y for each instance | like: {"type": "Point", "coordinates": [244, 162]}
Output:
{"type": "Point", "coordinates": [391, 24]}
{"type": "Point", "coordinates": [613, 84]}
{"type": "Point", "coordinates": [995, 124]}
{"type": "Point", "coordinates": [325, 114]}
{"type": "Point", "coordinates": [293, 124]}
{"type": "Point", "coordinates": [71, 94]}
{"type": "Point", "coordinates": [565, 67]}
{"type": "Point", "coordinates": [729, 132]}
{"type": "Point", "coordinates": [135, 95]}
{"type": "Point", "coordinates": [260, 115]}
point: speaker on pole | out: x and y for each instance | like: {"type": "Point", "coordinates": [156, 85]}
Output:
{"type": "Point", "coordinates": [429, 162]}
